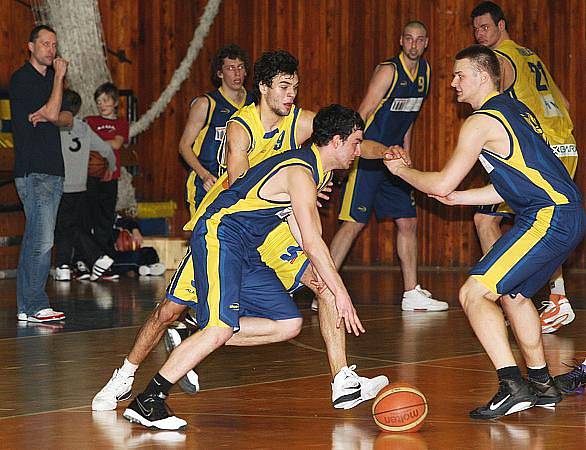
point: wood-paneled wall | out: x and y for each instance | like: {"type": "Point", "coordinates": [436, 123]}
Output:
{"type": "Point", "coordinates": [338, 43]}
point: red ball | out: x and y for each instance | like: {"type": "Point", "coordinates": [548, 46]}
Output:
{"type": "Point", "coordinates": [399, 407]}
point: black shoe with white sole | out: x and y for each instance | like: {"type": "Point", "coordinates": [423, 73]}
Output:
{"type": "Point", "coordinates": [548, 393]}
{"type": "Point", "coordinates": [513, 396]}
{"type": "Point", "coordinates": [172, 338]}
{"type": "Point", "coordinates": [151, 411]}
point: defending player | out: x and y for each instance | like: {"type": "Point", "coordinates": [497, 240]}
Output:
{"type": "Point", "coordinates": [206, 125]}
{"type": "Point", "coordinates": [390, 107]}
{"type": "Point", "coordinates": [550, 221]}
{"type": "Point", "coordinates": [240, 299]}
{"type": "Point", "coordinates": [276, 81]}
{"type": "Point", "coordinates": [525, 78]}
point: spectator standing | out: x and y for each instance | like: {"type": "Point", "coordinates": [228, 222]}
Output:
{"type": "Point", "coordinates": [36, 91]}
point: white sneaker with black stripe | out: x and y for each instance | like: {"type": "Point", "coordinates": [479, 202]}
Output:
{"type": "Point", "coordinates": [100, 267]}
{"type": "Point", "coordinates": [349, 389]}
{"type": "Point", "coordinates": [118, 388]}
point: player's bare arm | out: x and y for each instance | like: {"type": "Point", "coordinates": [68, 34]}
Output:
{"type": "Point", "coordinates": [300, 187]}
{"type": "Point", "coordinates": [237, 146]}
{"type": "Point", "coordinates": [195, 122]}
{"type": "Point", "coordinates": [304, 126]}
{"type": "Point", "coordinates": [475, 134]}
{"type": "Point", "coordinates": [378, 86]}
{"type": "Point", "coordinates": [486, 195]}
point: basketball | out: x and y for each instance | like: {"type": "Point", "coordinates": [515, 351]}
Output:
{"type": "Point", "coordinates": [97, 165]}
{"type": "Point", "coordinates": [399, 407]}
{"type": "Point", "coordinates": [125, 242]}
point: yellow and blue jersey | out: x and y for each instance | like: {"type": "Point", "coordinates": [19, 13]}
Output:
{"type": "Point", "coordinates": [208, 142]}
{"type": "Point", "coordinates": [243, 211]}
{"type": "Point", "coordinates": [549, 221]}
{"type": "Point", "coordinates": [263, 145]}
{"type": "Point", "coordinates": [401, 104]}
{"type": "Point", "coordinates": [530, 177]}
{"type": "Point", "coordinates": [534, 86]}
{"type": "Point", "coordinates": [231, 279]}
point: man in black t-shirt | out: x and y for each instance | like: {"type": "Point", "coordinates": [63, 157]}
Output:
{"type": "Point", "coordinates": [36, 91]}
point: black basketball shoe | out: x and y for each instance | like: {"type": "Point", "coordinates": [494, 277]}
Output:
{"type": "Point", "coordinates": [151, 411]}
{"type": "Point", "coordinates": [572, 381]}
{"type": "Point", "coordinates": [513, 396]}
{"type": "Point", "coordinates": [548, 393]}
{"type": "Point", "coordinates": [172, 338]}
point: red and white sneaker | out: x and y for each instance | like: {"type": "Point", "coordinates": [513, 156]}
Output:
{"type": "Point", "coordinates": [46, 315]}
{"type": "Point", "coordinates": [555, 313]}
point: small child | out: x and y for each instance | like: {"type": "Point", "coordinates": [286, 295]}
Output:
{"type": "Point", "coordinates": [102, 192]}
{"type": "Point", "coordinates": [76, 143]}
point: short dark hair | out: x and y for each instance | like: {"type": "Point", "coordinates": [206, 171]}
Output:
{"type": "Point", "coordinates": [483, 58]}
{"type": "Point", "coordinates": [36, 30]}
{"type": "Point", "coordinates": [109, 89]}
{"type": "Point", "coordinates": [73, 99]}
{"type": "Point", "coordinates": [271, 64]}
{"type": "Point", "coordinates": [416, 23]}
{"type": "Point", "coordinates": [231, 51]}
{"type": "Point", "coordinates": [495, 11]}
{"type": "Point", "coordinates": [335, 120]}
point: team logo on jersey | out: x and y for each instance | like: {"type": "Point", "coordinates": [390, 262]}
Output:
{"type": "Point", "coordinates": [284, 213]}
{"type": "Point", "coordinates": [361, 208]}
{"type": "Point", "coordinates": [292, 254]}
{"type": "Point", "coordinates": [234, 306]}
{"type": "Point", "coordinates": [225, 111]}
{"type": "Point", "coordinates": [403, 83]}
{"type": "Point", "coordinates": [412, 104]}
{"type": "Point", "coordinates": [534, 123]}
{"type": "Point", "coordinates": [220, 133]}
{"type": "Point", "coordinates": [280, 140]}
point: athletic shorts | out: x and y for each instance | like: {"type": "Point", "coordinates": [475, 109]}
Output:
{"type": "Point", "coordinates": [370, 186]}
{"type": "Point", "coordinates": [503, 210]}
{"type": "Point", "coordinates": [526, 257]}
{"type": "Point", "coordinates": [280, 253]}
{"type": "Point", "coordinates": [231, 282]}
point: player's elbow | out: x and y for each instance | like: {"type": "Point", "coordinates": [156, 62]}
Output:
{"type": "Point", "coordinates": [442, 189]}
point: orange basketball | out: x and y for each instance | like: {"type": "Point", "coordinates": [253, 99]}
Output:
{"type": "Point", "coordinates": [399, 407]}
{"type": "Point", "coordinates": [97, 165]}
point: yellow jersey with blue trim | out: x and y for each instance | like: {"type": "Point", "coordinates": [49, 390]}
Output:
{"type": "Point", "coordinates": [400, 105]}
{"type": "Point", "coordinates": [263, 145]}
{"type": "Point", "coordinates": [530, 177]}
{"type": "Point", "coordinates": [241, 214]}
{"type": "Point", "coordinates": [534, 86]}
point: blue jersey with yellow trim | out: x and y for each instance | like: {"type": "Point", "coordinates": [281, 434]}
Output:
{"type": "Point", "coordinates": [530, 177]}
{"type": "Point", "coordinates": [207, 143]}
{"type": "Point", "coordinates": [241, 210]}
{"type": "Point", "coordinates": [400, 105]}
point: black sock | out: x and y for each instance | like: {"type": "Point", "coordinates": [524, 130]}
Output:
{"type": "Point", "coordinates": [159, 385]}
{"type": "Point", "coordinates": [509, 373]}
{"type": "Point", "coordinates": [541, 375]}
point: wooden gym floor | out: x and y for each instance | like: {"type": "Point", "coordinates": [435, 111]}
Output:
{"type": "Point", "coordinates": [276, 396]}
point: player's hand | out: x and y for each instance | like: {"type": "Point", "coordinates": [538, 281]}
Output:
{"type": "Point", "coordinates": [137, 237]}
{"type": "Point", "coordinates": [451, 199]}
{"type": "Point", "coordinates": [324, 193]}
{"type": "Point", "coordinates": [108, 174]}
{"type": "Point", "coordinates": [37, 117]}
{"type": "Point", "coordinates": [347, 314]}
{"type": "Point", "coordinates": [317, 282]}
{"type": "Point", "coordinates": [208, 181]}
{"type": "Point", "coordinates": [60, 66]}
{"type": "Point", "coordinates": [397, 152]}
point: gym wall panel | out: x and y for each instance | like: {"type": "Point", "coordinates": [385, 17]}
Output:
{"type": "Point", "coordinates": [338, 43]}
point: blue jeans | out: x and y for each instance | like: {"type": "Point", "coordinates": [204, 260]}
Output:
{"type": "Point", "coordinates": [40, 195]}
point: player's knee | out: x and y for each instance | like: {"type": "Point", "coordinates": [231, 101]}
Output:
{"type": "Point", "coordinates": [484, 221]}
{"type": "Point", "coordinates": [407, 225]}
{"type": "Point", "coordinates": [217, 336]}
{"type": "Point", "coordinates": [290, 328]}
{"type": "Point", "coordinates": [467, 295]}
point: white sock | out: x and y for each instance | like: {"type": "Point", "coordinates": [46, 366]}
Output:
{"type": "Point", "coordinates": [537, 368]}
{"type": "Point", "coordinates": [128, 368]}
{"type": "Point", "coordinates": [584, 363]}
{"type": "Point", "coordinates": [557, 286]}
